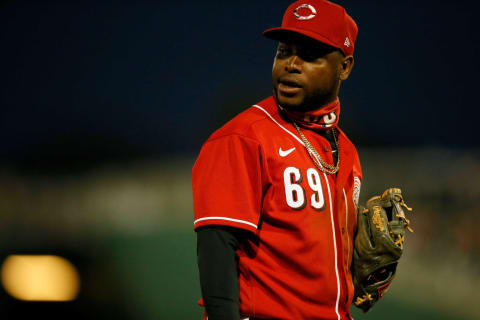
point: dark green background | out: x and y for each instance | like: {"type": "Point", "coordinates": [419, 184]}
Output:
{"type": "Point", "coordinates": [161, 271]}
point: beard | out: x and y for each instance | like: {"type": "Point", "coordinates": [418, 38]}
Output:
{"type": "Point", "coordinates": [317, 99]}
{"type": "Point", "coordinates": [313, 100]}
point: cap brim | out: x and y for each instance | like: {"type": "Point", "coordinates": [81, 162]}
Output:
{"type": "Point", "coordinates": [282, 33]}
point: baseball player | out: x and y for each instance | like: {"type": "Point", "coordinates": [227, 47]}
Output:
{"type": "Point", "coordinates": [276, 188]}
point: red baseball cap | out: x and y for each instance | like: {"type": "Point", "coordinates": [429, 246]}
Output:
{"type": "Point", "coordinates": [320, 20]}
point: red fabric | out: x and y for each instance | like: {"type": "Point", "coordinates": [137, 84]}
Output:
{"type": "Point", "coordinates": [321, 119]}
{"type": "Point", "coordinates": [227, 182]}
{"type": "Point", "coordinates": [301, 217]}
{"type": "Point", "coordinates": [321, 20]}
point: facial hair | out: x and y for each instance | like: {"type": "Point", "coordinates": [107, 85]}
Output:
{"type": "Point", "coordinates": [317, 99]}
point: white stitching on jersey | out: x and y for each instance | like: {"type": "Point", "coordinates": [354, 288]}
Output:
{"type": "Point", "coordinates": [334, 246]}
{"type": "Point", "coordinates": [331, 212]}
{"type": "Point", "coordinates": [346, 225]}
{"type": "Point", "coordinates": [225, 218]}
{"type": "Point", "coordinates": [288, 131]}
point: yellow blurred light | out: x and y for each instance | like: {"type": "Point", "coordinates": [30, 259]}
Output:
{"type": "Point", "coordinates": [40, 278]}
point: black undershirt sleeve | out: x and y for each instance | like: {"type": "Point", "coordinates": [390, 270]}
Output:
{"type": "Point", "coordinates": [218, 268]}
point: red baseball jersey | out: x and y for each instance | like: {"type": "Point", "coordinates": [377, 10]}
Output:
{"type": "Point", "coordinates": [254, 173]}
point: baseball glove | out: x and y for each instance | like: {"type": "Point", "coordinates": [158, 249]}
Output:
{"type": "Point", "coordinates": [378, 246]}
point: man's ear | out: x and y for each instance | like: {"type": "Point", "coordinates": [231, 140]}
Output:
{"type": "Point", "coordinates": [346, 66]}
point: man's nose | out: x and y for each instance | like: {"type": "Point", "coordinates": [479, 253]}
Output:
{"type": "Point", "coordinates": [293, 64]}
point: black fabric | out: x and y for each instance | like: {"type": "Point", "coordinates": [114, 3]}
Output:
{"type": "Point", "coordinates": [218, 268]}
{"type": "Point", "coordinates": [329, 136]}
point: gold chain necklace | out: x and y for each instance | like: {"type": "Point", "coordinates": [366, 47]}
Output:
{"type": "Point", "coordinates": [317, 160]}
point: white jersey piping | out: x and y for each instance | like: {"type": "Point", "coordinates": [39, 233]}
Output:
{"type": "Point", "coordinates": [331, 212]}
{"type": "Point", "coordinates": [240, 318]}
{"type": "Point", "coordinates": [288, 131]}
{"type": "Point", "coordinates": [334, 247]}
{"type": "Point", "coordinates": [346, 225]}
{"type": "Point", "coordinates": [225, 218]}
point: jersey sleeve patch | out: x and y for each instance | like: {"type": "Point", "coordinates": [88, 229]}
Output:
{"type": "Point", "coordinates": [356, 190]}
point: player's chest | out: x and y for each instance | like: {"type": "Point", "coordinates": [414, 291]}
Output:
{"type": "Point", "coordinates": [297, 183]}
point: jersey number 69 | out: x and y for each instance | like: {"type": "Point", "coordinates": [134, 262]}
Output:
{"type": "Point", "coordinates": [294, 192]}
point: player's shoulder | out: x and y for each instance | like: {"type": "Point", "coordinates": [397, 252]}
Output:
{"type": "Point", "coordinates": [248, 122]}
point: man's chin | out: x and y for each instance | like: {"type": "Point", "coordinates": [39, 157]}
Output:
{"type": "Point", "coordinates": [290, 103]}
{"type": "Point", "coordinates": [300, 103]}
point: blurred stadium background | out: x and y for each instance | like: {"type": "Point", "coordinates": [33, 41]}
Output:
{"type": "Point", "coordinates": [103, 109]}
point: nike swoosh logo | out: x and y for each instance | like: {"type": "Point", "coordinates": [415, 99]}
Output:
{"type": "Point", "coordinates": [286, 152]}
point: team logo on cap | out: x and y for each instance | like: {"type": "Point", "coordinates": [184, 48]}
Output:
{"type": "Point", "coordinates": [305, 12]}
